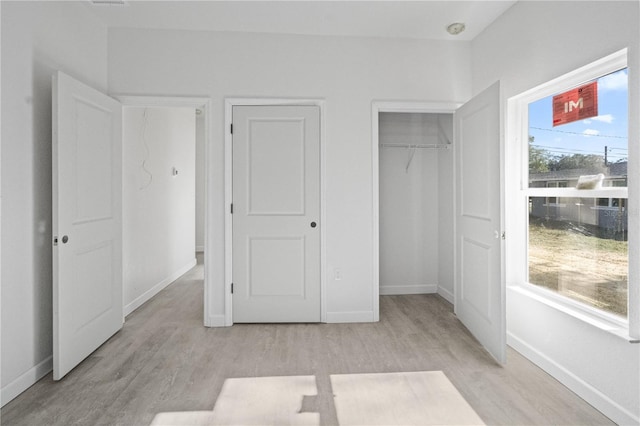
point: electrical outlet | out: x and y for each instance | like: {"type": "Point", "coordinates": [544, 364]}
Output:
{"type": "Point", "coordinates": [337, 274]}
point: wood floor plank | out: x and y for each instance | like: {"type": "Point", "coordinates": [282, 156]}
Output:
{"type": "Point", "coordinates": [164, 360]}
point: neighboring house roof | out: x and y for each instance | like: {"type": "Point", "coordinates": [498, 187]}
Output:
{"type": "Point", "coordinates": [618, 169]}
{"type": "Point", "coordinates": [615, 170]}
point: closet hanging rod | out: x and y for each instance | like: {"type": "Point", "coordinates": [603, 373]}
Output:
{"type": "Point", "coordinates": [406, 145]}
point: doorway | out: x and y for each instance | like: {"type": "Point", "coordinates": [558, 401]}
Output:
{"type": "Point", "coordinates": [159, 199]}
{"type": "Point", "coordinates": [400, 126]}
{"type": "Point", "coordinates": [176, 176]}
{"type": "Point", "coordinates": [475, 187]}
{"type": "Point", "coordinates": [311, 224]}
{"type": "Point", "coordinates": [416, 201]}
{"type": "Point", "coordinates": [88, 131]}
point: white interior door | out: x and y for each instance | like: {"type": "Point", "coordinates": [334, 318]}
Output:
{"type": "Point", "coordinates": [276, 212]}
{"type": "Point", "coordinates": [87, 221]}
{"type": "Point", "coordinates": [479, 287]}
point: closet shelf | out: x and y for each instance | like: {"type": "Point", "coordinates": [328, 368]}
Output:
{"type": "Point", "coordinates": [413, 146]}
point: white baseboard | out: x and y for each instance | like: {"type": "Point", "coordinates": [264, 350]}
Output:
{"type": "Point", "coordinates": [390, 290]}
{"type": "Point", "coordinates": [584, 390]}
{"type": "Point", "coordinates": [343, 317]}
{"type": "Point", "coordinates": [140, 300]}
{"type": "Point", "coordinates": [215, 321]}
{"type": "Point", "coordinates": [446, 295]}
{"type": "Point", "coordinates": [26, 380]}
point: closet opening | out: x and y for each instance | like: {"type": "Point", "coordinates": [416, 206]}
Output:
{"type": "Point", "coordinates": [416, 202]}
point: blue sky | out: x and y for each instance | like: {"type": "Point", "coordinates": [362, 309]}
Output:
{"type": "Point", "coordinates": [588, 136]}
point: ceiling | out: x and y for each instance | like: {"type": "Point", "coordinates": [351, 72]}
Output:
{"type": "Point", "coordinates": [395, 19]}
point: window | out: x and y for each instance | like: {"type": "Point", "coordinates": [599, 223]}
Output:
{"type": "Point", "coordinates": [574, 184]}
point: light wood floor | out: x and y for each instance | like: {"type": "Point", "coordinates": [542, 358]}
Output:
{"type": "Point", "coordinates": [164, 360]}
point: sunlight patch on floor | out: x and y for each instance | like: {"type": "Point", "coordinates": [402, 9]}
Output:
{"type": "Point", "coordinates": [253, 401]}
{"type": "Point", "coordinates": [411, 398]}
{"type": "Point", "coordinates": [415, 398]}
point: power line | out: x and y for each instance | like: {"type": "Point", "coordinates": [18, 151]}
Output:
{"type": "Point", "coordinates": [611, 157]}
{"type": "Point", "coordinates": [576, 133]}
{"type": "Point", "coordinates": [562, 150]}
{"type": "Point", "coordinates": [599, 154]}
{"type": "Point", "coordinates": [560, 147]}
{"type": "Point", "coordinates": [569, 151]}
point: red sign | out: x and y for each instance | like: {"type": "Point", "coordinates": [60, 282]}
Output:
{"type": "Point", "coordinates": [576, 104]}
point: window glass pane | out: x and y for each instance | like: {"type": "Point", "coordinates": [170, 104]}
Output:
{"type": "Point", "coordinates": [578, 248]}
{"type": "Point", "coordinates": [587, 146]}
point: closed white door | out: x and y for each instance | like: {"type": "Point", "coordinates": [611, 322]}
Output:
{"type": "Point", "coordinates": [479, 286]}
{"type": "Point", "coordinates": [87, 221]}
{"type": "Point", "coordinates": [276, 212]}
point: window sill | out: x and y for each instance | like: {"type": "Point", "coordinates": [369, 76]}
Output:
{"type": "Point", "coordinates": [618, 328]}
{"type": "Point", "coordinates": [605, 192]}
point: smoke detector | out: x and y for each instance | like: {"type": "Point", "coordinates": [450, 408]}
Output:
{"type": "Point", "coordinates": [456, 28]}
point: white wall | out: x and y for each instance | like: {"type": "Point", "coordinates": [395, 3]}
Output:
{"type": "Point", "coordinates": [200, 180]}
{"type": "Point", "coordinates": [349, 73]}
{"type": "Point", "coordinates": [445, 211]}
{"type": "Point", "coordinates": [532, 43]}
{"type": "Point", "coordinates": [409, 249]}
{"type": "Point", "coordinates": [37, 39]}
{"type": "Point", "coordinates": [158, 219]}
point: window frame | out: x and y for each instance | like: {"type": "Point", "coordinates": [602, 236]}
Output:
{"type": "Point", "coordinates": [518, 195]}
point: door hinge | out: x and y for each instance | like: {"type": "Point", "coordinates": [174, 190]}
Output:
{"type": "Point", "coordinates": [231, 128]}
{"type": "Point", "coordinates": [55, 240]}
{"type": "Point", "coordinates": [231, 208]}
{"type": "Point", "coordinates": [231, 288]}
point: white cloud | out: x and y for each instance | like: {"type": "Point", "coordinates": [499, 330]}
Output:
{"type": "Point", "coordinates": [606, 118]}
{"type": "Point", "coordinates": [590, 132]}
{"type": "Point", "coordinates": [615, 81]}
{"type": "Point", "coordinates": [586, 121]}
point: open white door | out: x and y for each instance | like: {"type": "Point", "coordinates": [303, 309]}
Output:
{"type": "Point", "coordinates": [479, 287]}
{"type": "Point", "coordinates": [87, 221]}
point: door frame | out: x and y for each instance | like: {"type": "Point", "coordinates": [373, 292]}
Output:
{"type": "Point", "coordinates": [205, 104]}
{"type": "Point", "coordinates": [229, 103]}
{"type": "Point", "coordinates": [376, 108]}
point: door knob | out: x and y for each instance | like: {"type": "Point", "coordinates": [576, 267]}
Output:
{"type": "Point", "coordinates": [313, 224]}
{"type": "Point", "coordinates": [65, 239]}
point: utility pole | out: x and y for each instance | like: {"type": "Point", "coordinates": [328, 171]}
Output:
{"type": "Point", "coordinates": [605, 156]}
